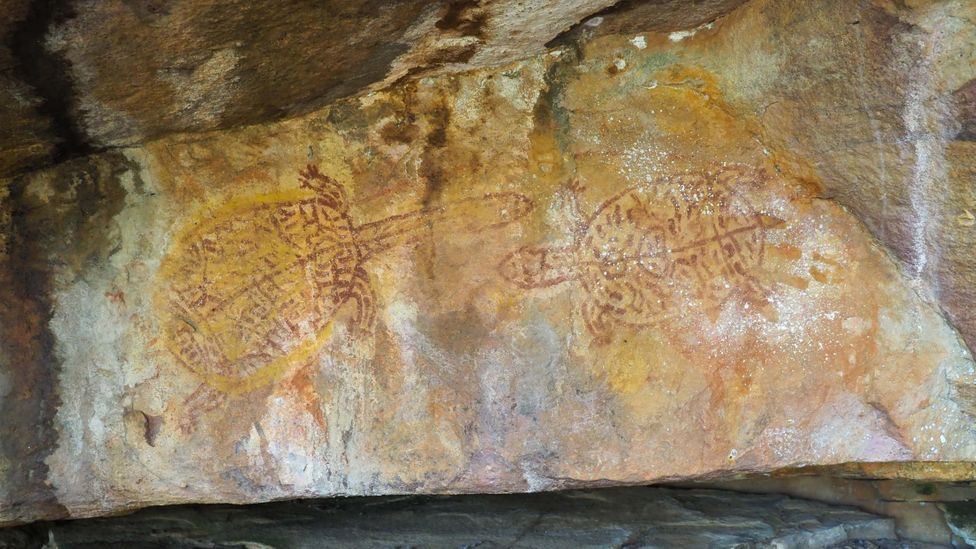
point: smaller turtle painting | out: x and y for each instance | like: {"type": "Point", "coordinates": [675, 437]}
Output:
{"type": "Point", "coordinates": [650, 252]}
{"type": "Point", "coordinates": [251, 293]}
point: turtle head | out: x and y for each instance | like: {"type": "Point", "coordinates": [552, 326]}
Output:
{"type": "Point", "coordinates": [327, 188]}
{"type": "Point", "coordinates": [537, 267]}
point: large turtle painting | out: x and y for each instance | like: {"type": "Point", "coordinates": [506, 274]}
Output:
{"type": "Point", "coordinates": [653, 251]}
{"type": "Point", "coordinates": [250, 293]}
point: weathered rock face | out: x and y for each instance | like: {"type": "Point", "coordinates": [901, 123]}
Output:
{"type": "Point", "coordinates": [599, 518]}
{"type": "Point", "coordinates": [25, 134]}
{"type": "Point", "coordinates": [923, 511]}
{"type": "Point", "coordinates": [85, 75]}
{"type": "Point", "coordinates": [613, 262]}
{"type": "Point", "coordinates": [880, 101]}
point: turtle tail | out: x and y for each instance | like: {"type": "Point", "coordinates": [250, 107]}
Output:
{"type": "Point", "coordinates": [537, 267]}
{"type": "Point", "coordinates": [469, 215]}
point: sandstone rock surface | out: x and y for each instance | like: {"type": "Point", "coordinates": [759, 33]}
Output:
{"type": "Point", "coordinates": [617, 261]}
{"type": "Point", "coordinates": [924, 511]}
{"type": "Point", "coordinates": [86, 75]}
{"type": "Point", "coordinates": [26, 139]}
{"type": "Point", "coordinates": [655, 517]}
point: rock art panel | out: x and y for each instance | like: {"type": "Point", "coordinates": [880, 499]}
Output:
{"type": "Point", "coordinates": [253, 291]}
{"type": "Point", "coordinates": [884, 128]}
{"type": "Point", "coordinates": [590, 267]}
{"type": "Point", "coordinates": [690, 234]}
{"type": "Point", "coordinates": [69, 88]}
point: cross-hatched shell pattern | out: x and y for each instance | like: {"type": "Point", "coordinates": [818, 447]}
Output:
{"type": "Point", "coordinates": [253, 289]}
{"type": "Point", "coordinates": [652, 251]}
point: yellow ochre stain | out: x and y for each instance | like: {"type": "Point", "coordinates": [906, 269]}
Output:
{"type": "Point", "coordinates": [214, 326]}
{"type": "Point", "coordinates": [252, 289]}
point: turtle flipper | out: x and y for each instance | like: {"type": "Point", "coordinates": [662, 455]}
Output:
{"type": "Point", "coordinates": [597, 320]}
{"type": "Point", "coordinates": [538, 267]}
{"type": "Point", "coordinates": [202, 401]}
{"type": "Point", "coordinates": [301, 386]}
{"type": "Point", "coordinates": [360, 294]}
{"type": "Point", "coordinates": [574, 189]}
{"type": "Point", "coordinates": [327, 188]}
{"type": "Point", "coordinates": [353, 343]}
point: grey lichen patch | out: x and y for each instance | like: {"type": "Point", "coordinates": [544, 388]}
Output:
{"type": "Point", "coordinates": [91, 324]}
{"type": "Point", "coordinates": [71, 209]}
{"type": "Point", "coordinates": [72, 206]}
{"type": "Point", "coordinates": [26, 434]}
{"type": "Point", "coordinates": [961, 516]}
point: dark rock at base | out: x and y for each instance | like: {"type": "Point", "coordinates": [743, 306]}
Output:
{"type": "Point", "coordinates": [621, 517]}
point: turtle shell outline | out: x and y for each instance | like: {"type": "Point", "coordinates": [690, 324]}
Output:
{"type": "Point", "coordinates": [650, 249]}
{"type": "Point", "coordinates": [252, 291]}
